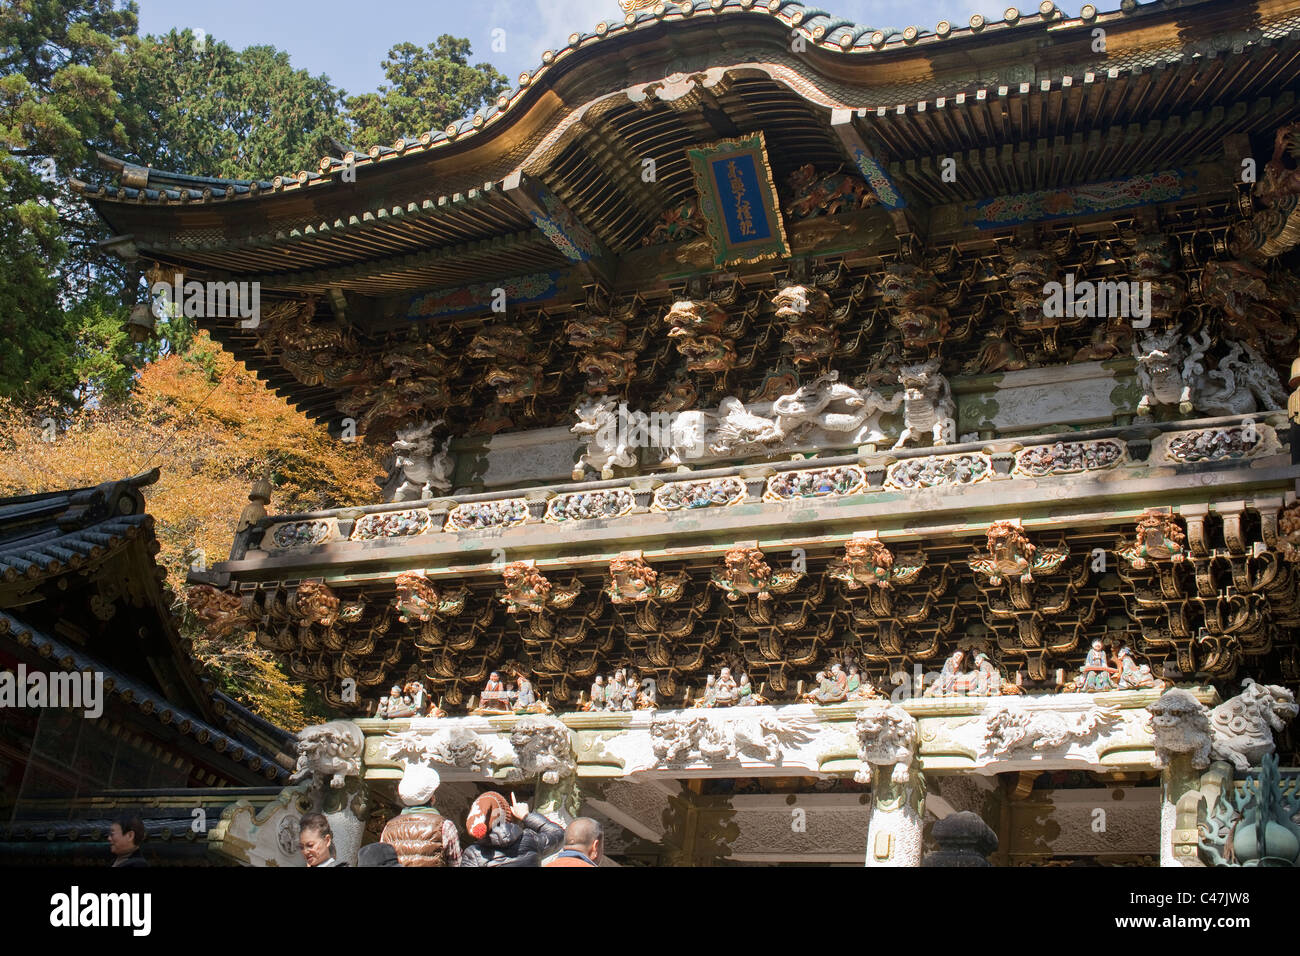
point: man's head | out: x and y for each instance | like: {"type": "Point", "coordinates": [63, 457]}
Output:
{"type": "Point", "coordinates": [125, 835]}
{"type": "Point", "coordinates": [494, 678]}
{"type": "Point", "coordinates": [585, 835]}
{"type": "Point", "coordinates": [315, 839]}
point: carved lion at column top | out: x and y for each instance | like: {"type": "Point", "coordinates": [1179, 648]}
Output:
{"type": "Point", "coordinates": [543, 746]}
{"type": "Point", "coordinates": [887, 738]}
{"type": "Point", "coordinates": [1181, 725]}
{"type": "Point", "coordinates": [332, 750]}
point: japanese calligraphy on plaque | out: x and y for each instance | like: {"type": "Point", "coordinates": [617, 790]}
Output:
{"type": "Point", "coordinates": [738, 200]}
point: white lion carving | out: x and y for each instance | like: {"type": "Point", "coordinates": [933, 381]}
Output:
{"type": "Point", "coordinates": [607, 444]}
{"type": "Point", "coordinates": [418, 469]}
{"type": "Point", "coordinates": [886, 738]}
{"type": "Point", "coordinates": [833, 406]}
{"type": "Point", "coordinates": [1243, 727]}
{"type": "Point", "coordinates": [686, 737]}
{"type": "Point", "coordinates": [927, 404]}
{"type": "Point", "coordinates": [1181, 725]}
{"type": "Point", "coordinates": [330, 750]}
{"type": "Point", "coordinates": [1011, 725]}
{"type": "Point", "coordinates": [542, 746]}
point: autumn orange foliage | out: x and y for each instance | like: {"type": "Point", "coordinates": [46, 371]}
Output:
{"type": "Point", "coordinates": [213, 428]}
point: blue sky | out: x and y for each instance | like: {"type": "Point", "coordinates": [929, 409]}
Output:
{"type": "Point", "coordinates": [347, 40]}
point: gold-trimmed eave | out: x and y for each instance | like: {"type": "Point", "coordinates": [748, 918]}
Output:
{"type": "Point", "coordinates": [517, 117]}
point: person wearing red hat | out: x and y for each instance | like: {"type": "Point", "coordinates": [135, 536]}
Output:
{"type": "Point", "coordinates": [507, 834]}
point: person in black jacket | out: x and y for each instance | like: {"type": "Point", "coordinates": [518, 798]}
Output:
{"type": "Point", "coordinates": [124, 839]}
{"type": "Point", "coordinates": [507, 834]}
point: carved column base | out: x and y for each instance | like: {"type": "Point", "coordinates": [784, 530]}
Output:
{"type": "Point", "coordinates": [1179, 797]}
{"type": "Point", "coordinates": [897, 813]}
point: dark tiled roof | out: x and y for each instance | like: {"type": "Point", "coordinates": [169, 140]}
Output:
{"type": "Point", "coordinates": [144, 699]}
{"type": "Point", "coordinates": [47, 534]}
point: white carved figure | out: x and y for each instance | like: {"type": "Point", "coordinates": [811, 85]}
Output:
{"type": "Point", "coordinates": [1011, 725]}
{"type": "Point", "coordinates": [458, 747]}
{"type": "Point", "coordinates": [737, 429]}
{"type": "Point", "coordinates": [1181, 725]}
{"type": "Point", "coordinates": [927, 404]}
{"type": "Point", "coordinates": [834, 406]}
{"type": "Point", "coordinates": [543, 746]}
{"type": "Point", "coordinates": [420, 470]}
{"type": "Point", "coordinates": [331, 750]}
{"type": "Point", "coordinates": [684, 738]}
{"type": "Point", "coordinates": [887, 740]}
{"type": "Point", "coordinates": [606, 443]}
{"type": "Point", "coordinates": [1243, 727]}
{"type": "Point", "coordinates": [1166, 370]}
{"type": "Point", "coordinates": [1246, 386]}
{"type": "Point", "coordinates": [767, 737]}
{"type": "Point", "coordinates": [673, 737]}
{"type": "Point", "coordinates": [687, 435]}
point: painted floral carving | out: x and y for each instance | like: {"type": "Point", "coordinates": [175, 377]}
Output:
{"type": "Point", "coordinates": [688, 495]}
{"type": "Point", "coordinates": [391, 524]}
{"type": "Point", "coordinates": [1066, 458]}
{"type": "Point", "coordinates": [610, 503]}
{"type": "Point", "coordinates": [299, 534]}
{"type": "Point", "coordinates": [476, 515]}
{"type": "Point", "coordinates": [935, 470]}
{"type": "Point", "coordinates": [815, 483]}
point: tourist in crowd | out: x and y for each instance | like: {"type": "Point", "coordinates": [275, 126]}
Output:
{"type": "Point", "coordinates": [124, 839]}
{"type": "Point", "coordinates": [582, 844]}
{"type": "Point", "coordinates": [316, 841]}
{"type": "Point", "coordinates": [506, 834]}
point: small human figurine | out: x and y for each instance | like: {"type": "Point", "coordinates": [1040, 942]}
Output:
{"type": "Point", "coordinates": [630, 692]}
{"type": "Point", "coordinates": [615, 690]}
{"type": "Point", "coordinates": [988, 679]}
{"type": "Point", "coordinates": [859, 689]}
{"type": "Point", "coordinates": [745, 692]}
{"type": "Point", "coordinates": [841, 681]}
{"type": "Point", "coordinates": [1097, 673]}
{"type": "Point", "coordinates": [598, 693]}
{"type": "Point", "coordinates": [823, 685]}
{"type": "Point", "coordinates": [946, 686]}
{"type": "Point", "coordinates": [647, 697]}
{"type": "Point", "coordinates": [388, 705]}
{"type": "Point", "coordinates": [710, 692]}
{"type": "Point", "coordinates": [1131, 675]}
{"type": "Point", "coordinates": [494, 697]}
{"type": "Point", "coordinates": [526, 698]}
{"type": "Point", "coordinates": [724, 691]}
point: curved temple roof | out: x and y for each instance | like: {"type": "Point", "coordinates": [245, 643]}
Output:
{"type": "Point", "coordinates": [811, 29]}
